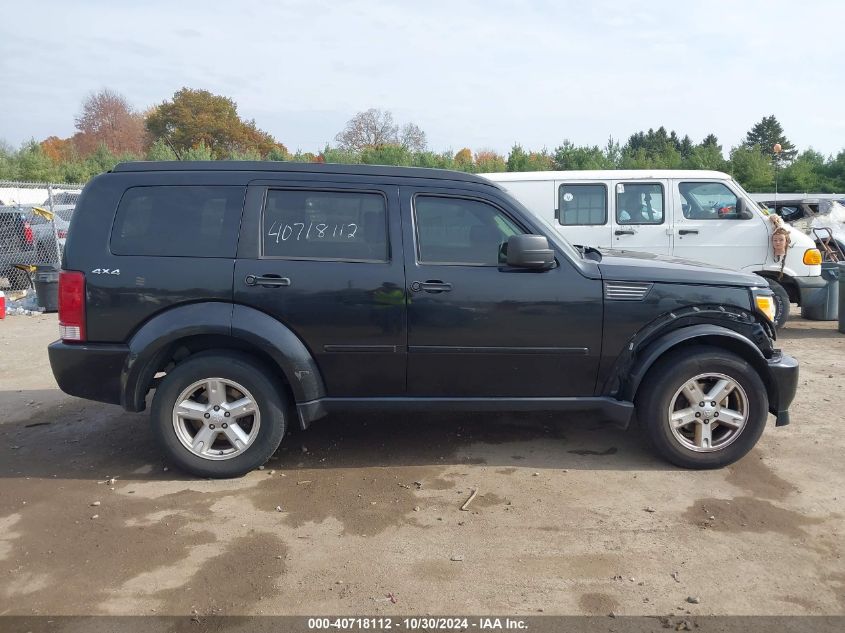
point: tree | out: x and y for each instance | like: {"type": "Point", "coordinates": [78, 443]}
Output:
{"type": "Point", "coordinates": [655, 149]}
{"type": "Point", "coordinates": [57, 149]}
{"type": "Point", "coordinates": [487, 161]}
{"type": "Point", "coordinates": [108, 119]}
{"type": "Point", "coordinates": [412, 137]}
{"type": "Point", "coordinates": [392, 154]}
{"type": "Point", "coordinates": [463, 159]}
{"type": "Point", "coordinates": [570, 156]}
{"type": "Point", "coordinates": [195, 118]}
{"type": "Point", "coordinates": [374, 129]}
{"type": "Point", "coordinates": [520, 160]}
{"type": "Point", "coordinates": [765, 134]}
{"type": "Point", "coordinates": [752, 168]}
{"type": "Point", "coordinates": [806, 173]}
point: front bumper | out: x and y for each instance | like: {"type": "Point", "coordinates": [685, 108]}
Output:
{"type": "Point", "coordinates": [809, 287]}
{"type": "Point", "coordinates": [88, 370]}
{"type": "Point", "coordinates": [783, 374]}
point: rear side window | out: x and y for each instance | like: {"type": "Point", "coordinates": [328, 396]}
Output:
{"type": "Point", "coordinates": [177, 221]}
{"type": "Point", "coordinates": [325, 225]}
{"type": "Point", "coordinates": [582, 204]}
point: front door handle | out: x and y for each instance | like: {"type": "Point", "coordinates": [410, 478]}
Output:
{"type": "Point", "coordinates": [267, 281]}
{"type": "Point", "coordinates": [688, 232]}
{"type": "Point", "coordinates": [431, 285]}
{"type": "Point", "coordinates": [625, 232]}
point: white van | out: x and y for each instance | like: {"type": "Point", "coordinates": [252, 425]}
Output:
{"type": "Point", "coordinates": [700, 215]}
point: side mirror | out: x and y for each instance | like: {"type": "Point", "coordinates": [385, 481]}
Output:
{"type": "Point", "coordinates": [530, 251]}
{"type": "Point", "coordinates": [742, 211]}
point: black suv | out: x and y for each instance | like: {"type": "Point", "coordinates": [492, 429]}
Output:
{"type": "Point", "coordinates": [249, 295]}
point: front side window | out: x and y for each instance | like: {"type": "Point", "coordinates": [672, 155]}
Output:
{"type": "Point", "coordinates": [639, 203]}
{"type": "Point", "coordinates": [582, 204]}
{"type": "Point", "coordinates": [461, 231]}
{"type": "Point", "coordinates": [177, 221]}
{"type": "Point", "coordinates": [325, 225]}
{"type": "Point", "coordinates": [708, 201]}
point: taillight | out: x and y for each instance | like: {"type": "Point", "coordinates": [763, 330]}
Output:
{"type": "Point", "coordinates": [72, 305]}
{"type": "Point", "coordinates": [27, 233]}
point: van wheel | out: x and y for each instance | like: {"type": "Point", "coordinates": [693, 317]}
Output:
{"type": "Point", "coordinates": [702, 407]}
{"type": "Point", "coordinates": [781, 303]}
{"type": "Point", "coordinates": [218, 415]}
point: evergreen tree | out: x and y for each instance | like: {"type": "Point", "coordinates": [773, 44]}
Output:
{"type": "Point", "coordinates": [765, 134]}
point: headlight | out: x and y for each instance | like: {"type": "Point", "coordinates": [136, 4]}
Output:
{"type": "Point", "coordinates": [766, 305]}
{"type": "Point", "coordinates": [812, 257]}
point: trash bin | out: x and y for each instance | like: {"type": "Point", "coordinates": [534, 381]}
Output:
{"type": "Point", "coordinates": [824, 305]}
{"type": "Point", "coordinates": [47, 287]}
{"type": "Point", "coordinates": [842, 297]}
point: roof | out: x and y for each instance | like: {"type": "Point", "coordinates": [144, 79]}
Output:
{"type": "Point", "coordinates": [780, 197]}
{"type": "Point", "coordinates": [285, 166]}
{"type": "Point", "coordinates": [606, 174]}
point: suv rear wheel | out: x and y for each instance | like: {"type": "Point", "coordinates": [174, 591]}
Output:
{"type": "Point", "coordinates": [703, 407]}
{"type": "Point", "coordinates": [218, 415]}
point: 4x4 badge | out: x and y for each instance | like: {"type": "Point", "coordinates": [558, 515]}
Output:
{"type": "Point", "coordinates": [105, 271]}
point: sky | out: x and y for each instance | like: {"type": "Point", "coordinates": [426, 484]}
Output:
{"type": "Point", "coordinates": [478, 74]}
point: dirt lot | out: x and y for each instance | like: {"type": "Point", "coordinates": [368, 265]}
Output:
{"type": "Point", "coordinates": [570, 518]}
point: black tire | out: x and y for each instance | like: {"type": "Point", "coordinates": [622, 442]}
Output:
{"type": "Point", "coordinates": [267, 393]}
{"type": "Point", "coordinates": [781, 303]}
{"type": "Point", "coordinates": [664, 380]}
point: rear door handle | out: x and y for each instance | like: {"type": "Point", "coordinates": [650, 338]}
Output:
{"type": "Point", "coordinates": [688, 232]}
{"type": "Point", "coordinates": [267, 281]}
{"type": "Point", "coordinates": [621, 232]}
{"type": "Point", "coordinates": [431, 286]}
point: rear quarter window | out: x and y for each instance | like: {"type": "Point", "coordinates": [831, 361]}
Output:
{"type": "Point", "coordinates": [178, 221]}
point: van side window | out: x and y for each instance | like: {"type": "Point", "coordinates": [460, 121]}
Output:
{"type": "Point", "coordinates": [582, 204]}
{"type": "Point", "coordinates": [639, 203]}
{"type": "Point", "coordinates": [461, 231]}
{"type": "Point", "coordinates": [178, 221]}
{"type": "Point", "coordinates": [325, 225]}
{"type": "Point", "coordinates": [708, 201]}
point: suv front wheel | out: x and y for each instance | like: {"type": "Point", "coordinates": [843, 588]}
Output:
{"type": "Point", "coordinates": [702, 407]}
{"type": "Point", "coordinates": [218, 415]}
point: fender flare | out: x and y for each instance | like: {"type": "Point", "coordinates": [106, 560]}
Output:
{"type": "Point", "coordinates": [154, 340]}
{"type": "Point", "coordinates": [285, 348]}
{"type": "Point", "coordinates": [704, 332]}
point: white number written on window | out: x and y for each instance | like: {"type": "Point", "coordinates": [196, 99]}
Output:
{"type": "Point", "coordinates": [300, 231]}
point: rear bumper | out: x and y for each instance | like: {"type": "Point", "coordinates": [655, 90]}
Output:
{"type": "Point", "coordinates": [88, 370]}
{"type": "Point", "coordinates": [809, 287]}
{"type": "Point", "coordinates": [783, 371]}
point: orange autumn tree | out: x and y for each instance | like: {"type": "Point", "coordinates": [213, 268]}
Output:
{"type": "Point", "coordinates": [109, 121]}
{"type": "Point", "coordinates": [195, 118]}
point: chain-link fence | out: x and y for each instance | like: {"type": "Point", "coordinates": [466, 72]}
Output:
{"type": "Point", "coordinates": [34, 222]}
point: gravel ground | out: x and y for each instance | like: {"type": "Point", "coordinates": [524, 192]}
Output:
{"type": "Point", "coordinates": [570, 517]}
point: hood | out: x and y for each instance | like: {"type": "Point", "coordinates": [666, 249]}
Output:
{"type": "Point", "coordinates": [617, 265]}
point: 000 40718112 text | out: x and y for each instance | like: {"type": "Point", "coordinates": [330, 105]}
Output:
{"type": "Point", "coordinates": [320, 231]}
